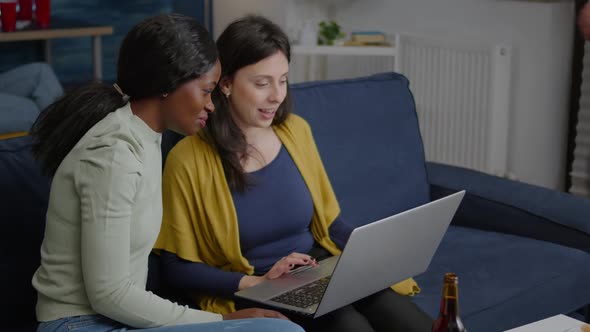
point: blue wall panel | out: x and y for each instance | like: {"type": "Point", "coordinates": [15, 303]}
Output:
{"type": "Point", "coordinates": [72, 57]}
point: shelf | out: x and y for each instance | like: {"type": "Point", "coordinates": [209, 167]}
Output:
{"type": "Point", "coordinates": [345, 50]}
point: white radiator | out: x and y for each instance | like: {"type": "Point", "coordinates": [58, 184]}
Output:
{"type": "Point", "coordinates": [462, 95]}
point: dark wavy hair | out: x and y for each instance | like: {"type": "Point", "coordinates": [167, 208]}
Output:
{"type": "Point", "coordinates": [157, 56]}
{"type": "Point", "coordinates": [244, 42]}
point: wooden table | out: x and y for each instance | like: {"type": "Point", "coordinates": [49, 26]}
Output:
{"type": "Point", "coordinates": [62, 28]}
{"type": "Point", "coordinates": [559, 323]}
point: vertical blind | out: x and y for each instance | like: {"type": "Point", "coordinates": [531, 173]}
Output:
{"type": "Point", "coordinates": [580, 170]}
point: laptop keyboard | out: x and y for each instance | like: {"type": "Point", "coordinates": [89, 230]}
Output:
{"type": "Point", "coordinates": [305, 295]}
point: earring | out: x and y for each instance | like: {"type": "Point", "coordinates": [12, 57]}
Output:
{"type": "Point", "coordinates": [227, 93]}
{"type": "Point", "coordinates": [165, 95]}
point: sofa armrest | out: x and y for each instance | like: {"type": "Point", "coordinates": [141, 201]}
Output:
{"type": "Point", "coordinates": [502, 205]}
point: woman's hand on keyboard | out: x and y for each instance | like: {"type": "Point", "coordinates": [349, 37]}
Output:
{"type": "Point", "coordinates": [285, 264]}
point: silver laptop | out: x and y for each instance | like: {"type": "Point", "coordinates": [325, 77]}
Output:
{"type": "Point", "coordinates": [376, 256]}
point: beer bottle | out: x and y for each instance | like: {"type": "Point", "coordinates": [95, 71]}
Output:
{"type": "Point", "coordinates": [448, 319]}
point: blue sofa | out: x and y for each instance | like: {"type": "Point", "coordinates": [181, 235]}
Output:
{"type": "Point", "coordinates": [522, 252]}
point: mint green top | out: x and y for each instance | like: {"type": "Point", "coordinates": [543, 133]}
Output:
{"type": "Point", "coordinates": [104, 215]}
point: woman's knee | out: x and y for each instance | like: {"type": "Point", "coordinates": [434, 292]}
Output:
{"type": "Point", "coordinates": [41, 67]}
{"type": "Point", "coordinates": [34, 69]}
{"type": "Point", "coordinates": [344, 319]}
{"type": "Point", "coordinates": [274, 324]}
{"type": "Point", "coordinates": [16, 113]}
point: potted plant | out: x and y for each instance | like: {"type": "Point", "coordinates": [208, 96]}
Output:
{"type": "Point", "coordinates": [329, 32]}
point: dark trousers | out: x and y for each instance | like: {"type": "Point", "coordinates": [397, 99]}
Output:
{"type": "Point", "coordinates": [385, 311]}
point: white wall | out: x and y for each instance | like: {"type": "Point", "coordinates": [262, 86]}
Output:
{"type": "Point", "coordinates": [225, 11]}
{"type": "Point", "coordinates": [540, 33]}
{"type": "Point", "coordinates": [287, 13]}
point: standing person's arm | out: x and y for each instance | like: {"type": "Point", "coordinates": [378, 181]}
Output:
{"type": "Point", "coordinates": [107, 184]}
{"type": "Point", "coordinates": [584, 21]}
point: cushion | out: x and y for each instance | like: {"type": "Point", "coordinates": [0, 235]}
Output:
{"type": "Point", "coordinates": [501, 205]}
{"type": "Point", "coordinates": [505, 280]}
{"type": "Point", "coordinates": [373, 155]}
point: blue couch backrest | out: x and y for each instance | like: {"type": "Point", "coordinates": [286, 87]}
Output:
{"type": "Point", "coordinates": [24, 196]}
{"type": "Point", "coordinates": [368, 136]}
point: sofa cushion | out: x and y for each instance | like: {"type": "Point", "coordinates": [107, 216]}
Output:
{"type": "Point", "coordinates": [24, 194]}
{"type": "Point", "coordinates": [502, 205]}
{"type": "Point", "coordinates": [367, 133]}
{"type": "Point", "coordinates": [505, 280]}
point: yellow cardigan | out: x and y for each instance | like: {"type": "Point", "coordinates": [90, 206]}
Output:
{"type": "Point", "coordinates": [200, 222]}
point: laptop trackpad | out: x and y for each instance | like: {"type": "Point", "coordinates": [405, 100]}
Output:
{"type": "Point", "coordinates": [271, 288]}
